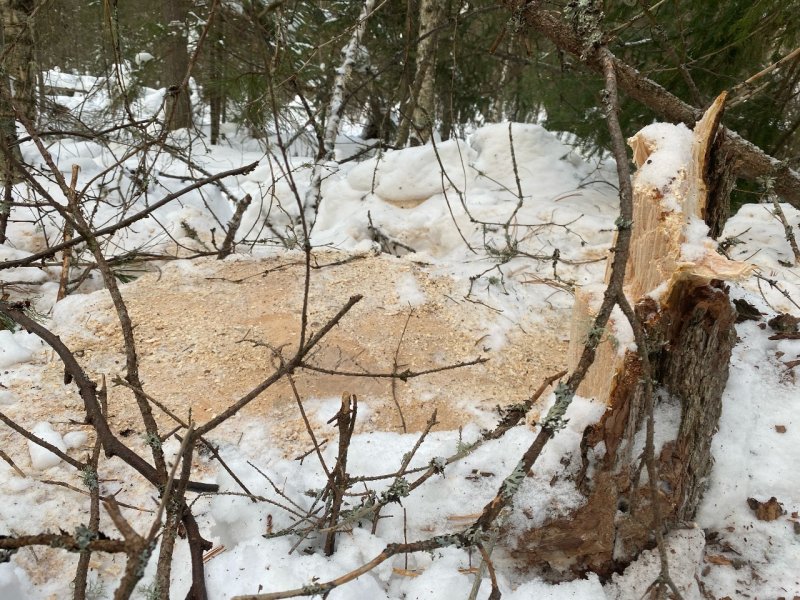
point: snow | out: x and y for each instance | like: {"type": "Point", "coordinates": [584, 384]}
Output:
{"type": "Point", "coordinates": [13, 582]}
{"type": "Point", "coordinates": [41, 458]}
{"type": "Point", "coordinates": [13, 349]}
{"type": "Point", "coordinates": [753, 460]}
{"type": "Point", "coordinates": [670, 150]}
{"type": "Point", "coordinates": [685, 551]}
{"type": "Point", "coordinates": [696, 235]}
{"type": "Point", "coordinates": [75, 439]}
{"type": "Point", "coordinates": [142, 58]}
{"type": "Point", "coordinates": [453, 210]}
{"type": "Point", "coordinates": [6, 397]}
{"type": "Point", "coordinates": [587, 589]}
{"type": "Point", "coordinates": [409, 292]}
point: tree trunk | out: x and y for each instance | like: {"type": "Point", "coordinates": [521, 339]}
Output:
{"type": "Point", "coordinates": [176, 66]}
{"type": "Point", "coordinates": [690, 339]}
{"type": "Point", "coordinates": [5, 210]}
{"type": "Point", "coordinates": [721, 179]}
{"type": "Point", "coordinates": [751, 161]}
{"type": "Point", "coordinates": [18, 49]}
{"type": "Point", "coordinates": [418, 125]}
{"type": "Point", "coordinates": [16, 87]}
{"type": "Point", "coordinates": [216, 95]}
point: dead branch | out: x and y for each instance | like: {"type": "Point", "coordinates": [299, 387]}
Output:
{"type": "Point", "coordinates": [289, 366]}
{"type": "Point", "coordinates": [233, 226]}
{"type": "Point", "coordinates": [611, 102]}
{"type": "Point", "coordinates": [309, 428]}
{"type": "Point", "coordinates": [407, 458]}
{"type": "Point", "coordinates": [395, 367]}
{"type": "Point", "coordinates": [401, 375]}
{"type": "Point", "coordinates": [12, 464]}
{"type": "Point", "coordinates": [207, 444]}
{"type": "Point", "coordinates": [63, 542]}
{"type": "Point", "coordinates": [471, 536]}
{"type": "Point", "coordinates": [337, 484]}
{"type": "Point", "coordinates": [495, 593]}
{"type": "Point", "coordinates": [92, 482]}
{"type": "Point", "coordinates": [788, 232]}
{"type": "Point", "coordinates": [136, 547]}
{"type": "Point", "coordinates": [40, 442]}
{"type": "Point", "coordinates": [66, 259]}
{"type": "Point", "coordinates": [173, 504]}
{"type": "Point", "coordinates": [512, 415]}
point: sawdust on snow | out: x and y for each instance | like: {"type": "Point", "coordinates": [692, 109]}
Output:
{"type": "Point", "coordinates": [206, 335]}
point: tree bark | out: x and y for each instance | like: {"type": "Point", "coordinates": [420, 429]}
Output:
{"type": "Point", "coordinates": [721, 179]}
{"type": "Point", "coordinates": [18, 49]}
{"type": "Point", "coordinates": [176, 65]}
{"type": "Point", "coordinates": [419, 124]}
{"type": "Point", "coordinates": [216, 95]}
{"type": "Point", "coordinates": [690, 334]}
{"type": "Point", "coordinates": [16, 87]}
{"type": "Point", "coordinates": [425, 109]}
{"type": "Point", "coordinates": [336, 110]}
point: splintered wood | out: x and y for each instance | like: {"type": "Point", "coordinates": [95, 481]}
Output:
{"type": "Point", "coordinates": [674, 281]}
{"type": "Point", "coordinates": [664, 251]}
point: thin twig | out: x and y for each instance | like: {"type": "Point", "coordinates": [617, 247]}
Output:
{"type": "Point", "coordinates": [402, 375]}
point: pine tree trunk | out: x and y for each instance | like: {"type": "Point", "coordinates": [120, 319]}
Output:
{"type": "Point", "coordinates": [691, 335]}
{"type": "Point", "coordinates": [721, 178]}
{"type": "Point", "coordinates": [9, 150]}
{"type": "Point", "coordinates": [176, 65]}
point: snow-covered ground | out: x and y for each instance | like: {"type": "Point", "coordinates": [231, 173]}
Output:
{"type": "Point", "coordinates": [517, 231]}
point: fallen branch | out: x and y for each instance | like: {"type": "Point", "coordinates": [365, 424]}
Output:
{"type": "Point", "coordinates": [63, 542]}
{"type": "Point", "coordinates": [233, 226]}
{"type": "Point", "coordinates": [401, 375]}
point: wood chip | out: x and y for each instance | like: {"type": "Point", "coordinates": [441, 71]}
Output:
{"type": "Point", "coordinates": [406, 572]}
{"type": "Point", "coordinates": [212, 553]}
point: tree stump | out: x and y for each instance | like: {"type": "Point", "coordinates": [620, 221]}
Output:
{"type": "Point", "coordinates": [674, 279]}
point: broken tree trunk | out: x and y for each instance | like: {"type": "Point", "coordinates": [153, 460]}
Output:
{"type": "Point", "coordinates": [674, 280]}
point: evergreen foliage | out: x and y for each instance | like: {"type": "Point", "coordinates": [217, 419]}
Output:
{"type": "Point", "coordinates": [488, 68]}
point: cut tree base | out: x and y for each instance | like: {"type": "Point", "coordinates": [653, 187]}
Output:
{"type": "Point", "coordinates": [696, 337]}
{"type": "Point", "coordinates": [675, 281]}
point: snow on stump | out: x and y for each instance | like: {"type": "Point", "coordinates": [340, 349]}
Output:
{"type": "Point", "coordinates": [675, 281]}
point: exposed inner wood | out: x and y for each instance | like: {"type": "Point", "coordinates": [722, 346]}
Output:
{"type": "Point", "coordinates": [688, 319]}
{"type": "Point", "coordinates": [661, 220]}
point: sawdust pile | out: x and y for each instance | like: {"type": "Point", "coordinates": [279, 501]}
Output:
{"type": "Point", "coordinates": [206, 334]}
